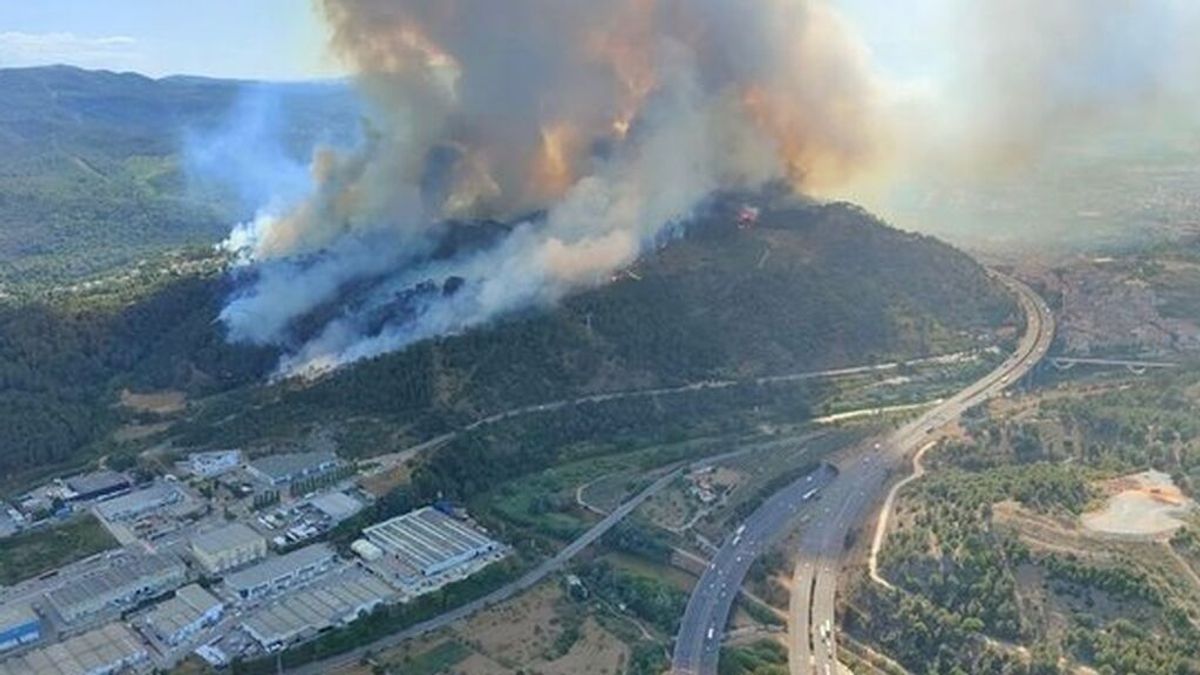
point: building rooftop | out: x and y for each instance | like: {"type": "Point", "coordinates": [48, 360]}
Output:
{"type": "Point", "coordinates": [283, 467]}
{"type": "Point", "coordinates": [276, 568]}
{"type": "Point", "coordinates": [426, 538]}
{"type": "Point", "coordinates": [15, 615]}
{"type": "Point", "coordinates": [97, 481]}
{"type": "Point", "coordinates": [121, 574]}
{"type": "Point", "coordinates": [337, 505]}
{"type": "Point", "coordinates": [232, 536]}
{"type": "Point", "coordinates": [317, 607]}
{"type": "Point", "coordinates": [139, 501]}
{"type": "Point", "coordinates": [189, 604]}
{"type": "Point", "coordinates": [91, 652]}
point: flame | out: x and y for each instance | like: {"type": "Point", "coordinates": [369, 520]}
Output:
{"type": "Point", "coordinates": [553, 171]}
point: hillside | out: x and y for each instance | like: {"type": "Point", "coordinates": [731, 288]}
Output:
{"type": "Point", "coordinates": [810, 287]}
{"type": "Point", "coordinates": [92, 174]}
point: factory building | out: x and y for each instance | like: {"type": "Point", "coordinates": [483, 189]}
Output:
{"type": "Point", "coordinates": [228, 547]}
{"type": "Point", "coordinates": [212, 464]}
{"type": "Point", "coordinates": [276, 470]}
{"type": "Point", "coordinates": [125, 583]}
{"type": "Point", "coordinates": [139, 503]}
{"type": "Point", "coordinates": [304, 613]}
{"type": "Point", "coordinates": [103, 651]}
{"type": "Point", "coordinates": [96, 485]}
{"type": "Point", "coordinates": [184, 615]}
{"type": "Point", "coordinates": [19, 625]}
{"type": "Point", "coordinates": [426, 543]}
{"type": "Point", "coordinates": [279, 573]}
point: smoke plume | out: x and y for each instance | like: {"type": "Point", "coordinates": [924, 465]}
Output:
{"type": "Point", "coordinates": [596, 127]}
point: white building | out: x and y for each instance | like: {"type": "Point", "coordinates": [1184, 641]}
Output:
{"type": "Point", "coordinates": [281, 572]}
{"type": "Point", "coordinates": [212, 464]}
{"type": "Point", "coordinates": [427, 543]}
{"type": "Point", "coordinates": [184, 615]}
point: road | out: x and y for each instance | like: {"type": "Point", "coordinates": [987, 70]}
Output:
{"type": "Point", "coordinates": [811, 623]}
{"type": "Point", "coordinates": [528, 580]}
{"type": "Point", "coordinates": [698, 643]}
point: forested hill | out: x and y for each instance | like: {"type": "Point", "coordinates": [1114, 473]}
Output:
{"type": "Point", "coordinates": [92, 174]}
{"type": "Point", "coordinates": [808, 287]}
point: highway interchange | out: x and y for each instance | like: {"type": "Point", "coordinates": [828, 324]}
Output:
{"type": "Point", "coordinates": [843, 502]}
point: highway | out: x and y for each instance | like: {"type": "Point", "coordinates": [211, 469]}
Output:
{"type": "Point", "coordinates": [812, 638]}
{"type": "Point", "coordinates": [698, 643]}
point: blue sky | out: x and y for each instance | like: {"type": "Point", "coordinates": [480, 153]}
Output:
{"type": "Point", "coordinates": [270, 39]}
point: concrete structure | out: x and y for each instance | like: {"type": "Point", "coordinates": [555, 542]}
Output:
{"type": "Point", "coordinates": [125, 583]}
{"type": "Point", "coordinates": [302, 614]}
{"type": "Point", "coordinates": [96, 485]}
{"type": "Point", "coordinates": [228, 547]}
{"type": "Point", "coordinates": [426, 543]}
{"type": "Point", "coordinates": [211, 464]}
{"type": "Point", "coordinates": [184, 615]}
{"type": "Point", "coordinates": [19, 625]}
{"type": "Point", "coordinates": [139, 503]}
{"type": "Point", "coordinates": [276, 470]}
{"type": "Point", "coordinates": [279, 573]}
{"type": "Point", "coordinates": [103, 651]}
{"type": "Point", "coordinates": [338, 506]}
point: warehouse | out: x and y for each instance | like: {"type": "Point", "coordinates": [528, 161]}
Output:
{"type": "Point", "coordinates": [19, 625]}
{"type": "Point", "coordinates": [426, 543]}
{"type": "Point", "coordinates": [136, 504]}
{"type": "Point", "coordinates": [125, 583]}
{"type": "Point", "coordinates": [276, 470]}
{"type": "Point", "coordinates": [99, 652]}
{"type": "Point", "coordinates": [96, 485]}
{"type": "Point", "coordinates": [304, 613]}
{"type": "Point", "coordinates": [281, 572]}
{"type": "Point", "coordinates": [184, 615]}
{"type": "Point", "coordinates": [228, 547]}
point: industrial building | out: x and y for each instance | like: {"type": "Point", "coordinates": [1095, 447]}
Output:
{"type": "Point", "coordinates": [212, 464]}
{"type": "Point", "coordinates": [125, 583]}
{"type": "Point", "coordinates": [427, 543]}
{"type": "Point", "coordinates": [19, 625]}
{"type": "Point", "coordinates": [96, 485]}
{"type": "Point", "coordinates": [99, 652]}
{"type": "Point", "coordinates": [304, 613]}
{"type": "Point", "coordinates": [279, 573]}
{"type": "Point", "coordinates": [139, 503]}
{"type": "Point", "coordinates": [228, 547]}
{"type": "Point", "coordinates": [276, 470]}
{"type": "Point", "coordinates": [184, 615]}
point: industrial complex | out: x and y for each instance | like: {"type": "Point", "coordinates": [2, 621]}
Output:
{"type": "Point", "coordinates": [220, 563]}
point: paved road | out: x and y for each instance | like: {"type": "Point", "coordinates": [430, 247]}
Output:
{"type": "Point", "coordinates": [811, 630]}
{"type": "Point", "coordinates": [530, 579]}
{"type": "Point", "coordinates": [698, 643]}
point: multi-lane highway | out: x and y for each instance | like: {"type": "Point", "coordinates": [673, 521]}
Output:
{"type": "Point", "coordinates": [811, 622]}
{"type": "Point", "coordinates": [699, 641]}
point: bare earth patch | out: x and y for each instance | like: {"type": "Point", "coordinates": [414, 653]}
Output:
{"type": "Point", "coordinates": [165, 402]}
{"type": "Point", "coordinates": [1147, 505]}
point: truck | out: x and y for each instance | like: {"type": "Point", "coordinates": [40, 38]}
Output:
{"type": "Point", "coordinates": [810, 494]}
{"type": "Point", "coordinates": [737, 536]}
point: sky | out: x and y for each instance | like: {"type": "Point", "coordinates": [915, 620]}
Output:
{"type": "Point", "coordinates": [253, 39]}
{"type": "Point", "coordinates": [285, 39]}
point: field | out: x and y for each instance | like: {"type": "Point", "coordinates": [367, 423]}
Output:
{"type": "Point", "coordinates": [31, 553]}
{"type": "Point", "coordinates": [541, 631]}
